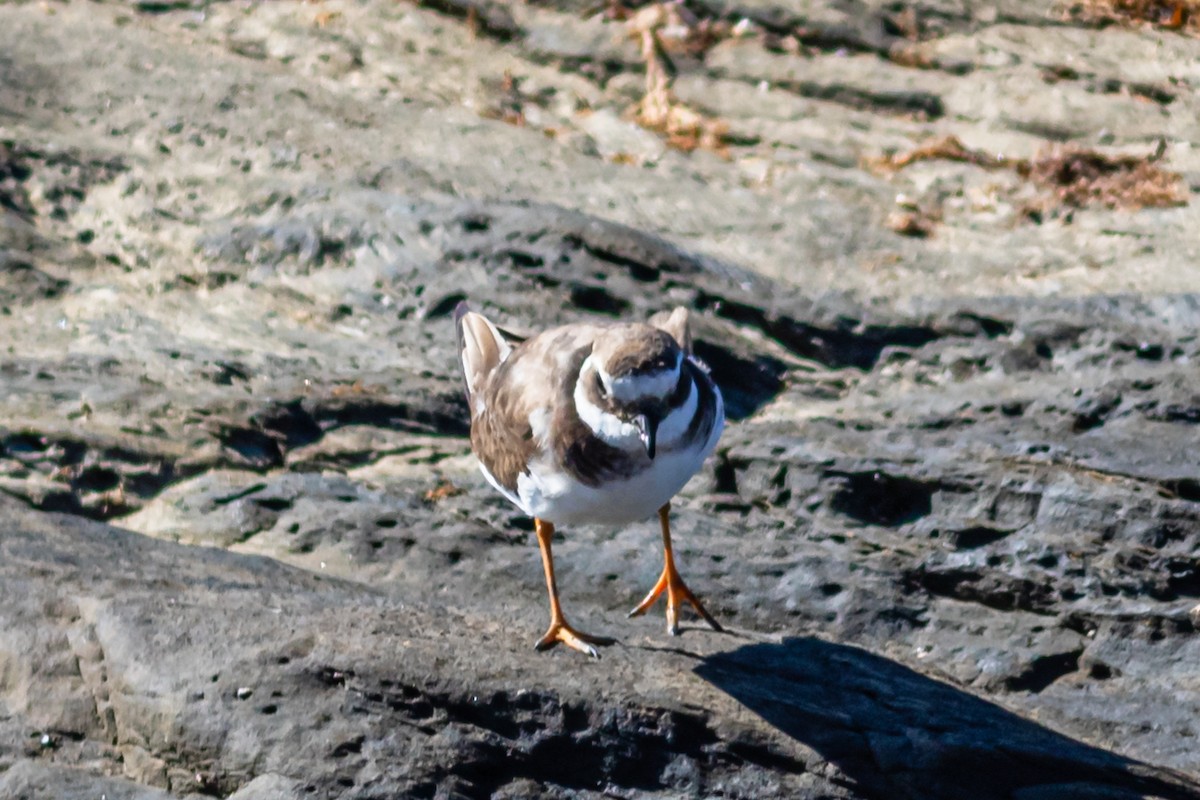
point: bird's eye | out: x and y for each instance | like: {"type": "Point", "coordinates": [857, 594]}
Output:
{"type": "Point", "coordinates": [600, 386]}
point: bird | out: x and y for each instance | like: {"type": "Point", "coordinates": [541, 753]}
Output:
{"type": "Point", "coordinates": [592, 423]}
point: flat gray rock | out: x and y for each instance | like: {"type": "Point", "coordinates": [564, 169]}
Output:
{"type": "Point", "coordinates": [29, 780]}
{"type": "Point", "coordinates": [229, 671]}
{"type": "Point", "coordinates": [269, 787]}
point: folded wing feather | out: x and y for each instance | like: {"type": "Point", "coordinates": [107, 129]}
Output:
{"type": "Point", "coordinates": [678, 325]}
{"type": "Point", "coordinates": [482, 347]}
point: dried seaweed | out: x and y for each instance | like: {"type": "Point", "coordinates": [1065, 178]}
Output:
{"type": "Point", "coordinates": [1074, 176]}
{"type": "Point", "coordinates": [324, 18]}
{"type": "Point", "coordinates": [1078, 177]}
{"type": "Point", "coordinates": [947, 148]}
{"type": "Point", "coordinates": [442, 491]}
{"type": "Point", "coordinates": [1180, 15]}
{"type": "Point", "coordinates": [679, 29]}
{"type": "Point", "coordinates": [509, 103]}
{"type": "Point", "coordinates": [684, 128]}
{"type": "Point", "coordinates": [916, 223]}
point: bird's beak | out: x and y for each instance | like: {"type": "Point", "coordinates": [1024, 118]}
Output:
{"type": "Point", "coordinates": [648, 430]}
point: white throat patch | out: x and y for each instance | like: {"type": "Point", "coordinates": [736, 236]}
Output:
{"type": "Point", "coordinates": [607, 427]}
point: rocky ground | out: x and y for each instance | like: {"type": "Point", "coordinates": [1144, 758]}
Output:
{"type": "Point", "coordinates": [954, 526]}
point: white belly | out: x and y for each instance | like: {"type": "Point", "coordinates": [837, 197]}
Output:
{"type": "Point", "coordinates": [556, 497]}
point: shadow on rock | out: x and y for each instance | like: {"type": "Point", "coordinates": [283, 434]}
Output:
{"type": "Point", "coordinates": [898, 734]}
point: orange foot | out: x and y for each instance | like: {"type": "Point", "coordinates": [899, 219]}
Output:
{"type": "Point", "coordinates": [677, 591]}
{"type": "Point", "coordinates": [560, 631]}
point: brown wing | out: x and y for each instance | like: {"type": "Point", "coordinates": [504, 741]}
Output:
{"type": "Point", "coordinates": [535, 381]}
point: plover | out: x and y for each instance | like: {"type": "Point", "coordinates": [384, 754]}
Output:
{"type": "Point", "coordinates": [591, 423]}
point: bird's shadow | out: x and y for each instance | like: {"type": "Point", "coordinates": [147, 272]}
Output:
{"type": "Point", "coordinates": [898, 734]}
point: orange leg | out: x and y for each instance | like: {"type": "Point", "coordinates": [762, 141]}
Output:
{"type": "Point", "coordinates": [673, 585]}
{"type": "Point", "coordinates": [559, 630]}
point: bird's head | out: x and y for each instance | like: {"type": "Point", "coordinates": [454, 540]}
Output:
{"type": "Point", "coordinates": [633, 374]}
